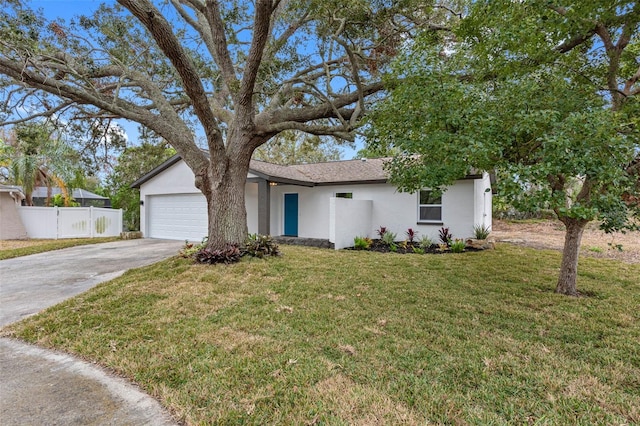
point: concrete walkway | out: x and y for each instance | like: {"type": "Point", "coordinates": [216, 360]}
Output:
{"type": "Point", "coordinates": [42, 387]}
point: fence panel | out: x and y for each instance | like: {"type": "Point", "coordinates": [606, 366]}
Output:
{"type": "Point", "coordinates": [71, 222]}
{"type": "Point", "coordinates": [39, 222]}
{"type": "Point", "coordinates": [74, 222]}
{"type": "Point", "coordinates": [106, 222]}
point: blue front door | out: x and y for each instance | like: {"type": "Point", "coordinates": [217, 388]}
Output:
{"type": "Point", "coordinates": [291, 215]}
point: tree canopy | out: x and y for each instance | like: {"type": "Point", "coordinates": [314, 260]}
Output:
{"type": "Point", "coordinates": [291, 147]}
{"type": "Point", "coordinates": [546, 93]}
{"type": "Point", "coordinates": [236, 73]}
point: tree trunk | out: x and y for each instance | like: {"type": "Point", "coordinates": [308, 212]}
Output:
{"type": "Point", "coordinates": [569, 268]}
{"type": "Point", "coordinates": [224, 191]}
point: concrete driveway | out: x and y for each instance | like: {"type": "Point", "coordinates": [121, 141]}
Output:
{"type": "Point", "coordinates": [38, 386]}
{"type": "Point", "coordinates": [30, 284]}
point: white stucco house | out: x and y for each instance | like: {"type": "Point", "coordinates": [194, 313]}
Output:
{"type": "Point", "coordinates": [333, 201]}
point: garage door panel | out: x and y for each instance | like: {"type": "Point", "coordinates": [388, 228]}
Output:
{"type": "Point", "coordinates": [177, 216]}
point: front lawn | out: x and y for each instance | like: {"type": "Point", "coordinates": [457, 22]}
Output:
{"type": "Point", "coordinates": [325, 337]}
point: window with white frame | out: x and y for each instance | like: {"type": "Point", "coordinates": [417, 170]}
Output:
{"type": "Point", "coordinates": [429, 206]}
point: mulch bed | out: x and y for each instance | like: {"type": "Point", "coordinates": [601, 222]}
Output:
{"type": "Point", "coordinates": [407, 248]}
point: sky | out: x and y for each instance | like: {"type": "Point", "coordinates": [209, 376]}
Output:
{"type": "Point", "coordinates": [67, 9]}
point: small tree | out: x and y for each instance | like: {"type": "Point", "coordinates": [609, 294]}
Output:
{"type": "Point", "coordinates": [544, 93]}
{"type": "Point", "coordinates": [36, 157]}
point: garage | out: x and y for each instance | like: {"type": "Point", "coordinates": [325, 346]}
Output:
{"type": "Point", "coordinates": [177, 216]}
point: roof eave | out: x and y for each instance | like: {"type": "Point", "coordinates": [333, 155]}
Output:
{"type": "Point", "coordinates": [275, 179]}
{"type": "Point", "coordinates": [352, 182]}
{"type": "Point", "coordinates": [156, 171]}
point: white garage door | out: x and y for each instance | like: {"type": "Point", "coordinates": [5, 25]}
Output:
{"type": "Point", "coordinates": [177, 216]}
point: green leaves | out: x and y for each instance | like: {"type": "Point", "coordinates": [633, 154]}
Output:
{"type": "Point", "coordinates": [522, 91]}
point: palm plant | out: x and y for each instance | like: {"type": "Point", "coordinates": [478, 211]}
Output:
{"type": "Point", "coordinates": [39, 160]}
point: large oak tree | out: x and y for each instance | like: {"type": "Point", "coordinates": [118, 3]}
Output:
{"type": "Point", "coordinates": [232, 73]}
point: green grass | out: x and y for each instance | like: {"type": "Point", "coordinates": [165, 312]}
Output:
{"type": "Point", "coordinates": [42, 246]}
{"type": "Point", "coordinates": [324, 337]}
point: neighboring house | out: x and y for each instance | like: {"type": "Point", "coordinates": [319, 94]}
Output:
{"type": "Point", "coordinates": [333, 201]}
{"type": "Point", "coordinates": [81, 196]}
{"type": "Point", "coordinates": [11, 226]}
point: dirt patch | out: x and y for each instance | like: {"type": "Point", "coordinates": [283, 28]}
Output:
{"type": "Point", "coordinates": [15, 244]}
{"type": "Point", "coordinates": [357, 404]}
{"type": "Point", "coordinates": [550, 235]}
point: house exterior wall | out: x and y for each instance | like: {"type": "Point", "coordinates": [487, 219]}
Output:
{"type": "Point", "coordinates": [483, 198]}
{"type": "Point", "coordinates": [348, 219]}
{"type": "Point", "coordinates": [179, 179]}
{"type": "Point", "coordinates": [395, 210]}
{"type": "Point", "coordinates": [11, 226]}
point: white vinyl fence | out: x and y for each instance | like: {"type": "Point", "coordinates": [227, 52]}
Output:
{"type": "Point", "coordinates": [71, 222]}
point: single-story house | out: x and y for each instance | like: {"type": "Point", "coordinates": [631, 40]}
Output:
{"type": "Point", "coordinates": [333, 201]}
{"type": "Point", "coordinates": [81, 196]}
{"type": "Point", "coordinates": [11, 226]}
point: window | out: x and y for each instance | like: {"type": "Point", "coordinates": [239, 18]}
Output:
{"type": "Point", "coordinates": [344, 194]}
{"type": "Point", "coordinates": [429, 206]}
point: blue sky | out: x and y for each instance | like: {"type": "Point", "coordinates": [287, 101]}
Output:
{"type": "Point", "coordinates": [67, 9]}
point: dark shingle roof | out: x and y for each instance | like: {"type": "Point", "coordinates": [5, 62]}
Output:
{"type": "Point", "coordinates": [78, 193]}
{"type": "Point", "coordinates": [333, 172]}
{"type": "Point", "coordinates": [324, 173]}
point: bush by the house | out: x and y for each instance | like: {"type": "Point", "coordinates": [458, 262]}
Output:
{"type": "Point", "coordinates": [388, 238]}
{"type": "Point", "coordinates": [423, 245]}
{"type": "Point", "coordinates": [445, 236]}
{"type": "Point", "coordinates": [229, 254]}
{"type": "Point", "coordinates": [481, 232]}
{"type": "Point", "coordinates": [361, 243]}
{"type": "Point", "coordinates": [425, 242]}
{"type": "Point", "coordinates": [457, 246]}
{"type": "Point", "coordinates": [411, 234]}
{"type": "Point", "coordinates": [260, 246]}
{"type": "Point", "coordinates": [256, 245]}
{"type": "Point", "coordinates": [190, 249]}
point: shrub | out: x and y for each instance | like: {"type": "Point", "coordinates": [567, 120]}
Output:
{"type": "Point", "coordinates": [418, 250]}
{"type": "Point", "coordinates": [425, 242]}
{"type": "Point", "coordinates": [190, 249]}
{"type": "Point", "coordinates": [457, 246]}
{"type": "Point", "coordinates": [445, 236]}
{"type": "Point", "coordinates": [260, 246]}
{"type": "Point", "coordinates": [393, 247]}
{"type": "Point", "coordinates": [411, 234]}
{"type": "Point", "coordinates": [481, 232]}
{"type": "Point", "coordinates": [381, 231]}
{"type": "Point", "coordinates": [361, 243]}
{"type": "Point", "coordinates": [388, 238]}
{"type": "Point", "coordinates": [229, 254]}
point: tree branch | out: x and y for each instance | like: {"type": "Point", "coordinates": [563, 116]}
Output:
{"type": "Point", "coordinates": [262, 23]}
{"type": "Point", "coordinates": [221, 53]}
{"type": "Point", "coordinates": [160, 28]}
{"type": "Point", "coordinates": [325, 110]}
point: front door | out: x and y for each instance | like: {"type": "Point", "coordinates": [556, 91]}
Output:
{"type": "Point", "coordinates": [291, 215]}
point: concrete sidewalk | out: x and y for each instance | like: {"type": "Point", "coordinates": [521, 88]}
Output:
{"type": "Point", "coordinates": [42, 387]}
